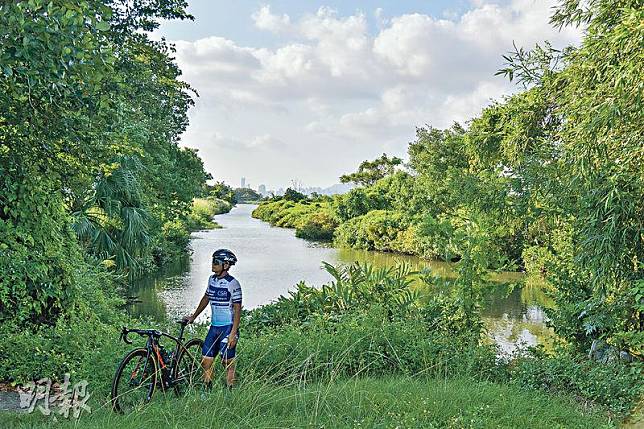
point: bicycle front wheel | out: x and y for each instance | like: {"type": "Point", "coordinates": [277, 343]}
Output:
{"type": "Point", "coordinates": [134, 381]}
{"type": "Point", "coordinates": [187, 371]}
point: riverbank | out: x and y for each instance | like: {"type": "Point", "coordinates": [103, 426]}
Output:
{"type": "Point", "coordinates": [204, 210]}
{"type": "Point", "coordinates": [513, 315]}
{"type": "Point", "coordinates": [342, 354]}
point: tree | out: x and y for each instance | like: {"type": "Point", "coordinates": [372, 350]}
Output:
{"type": "Point", "coordinates": [246, 195]}
{"type": "Point", "coordinates": [293, 195]}
{"type": "Point", "coordinates": [84, 96]}
{"type": "Point", "coordinates": [597, 194]}
{"type": "Point", "coordinates": [223, 192]}
{"type": "Point", "coordinates": [369, 172]}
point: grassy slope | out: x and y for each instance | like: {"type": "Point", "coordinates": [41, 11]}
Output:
{"type": "Point", "coordinates": [371, 403]}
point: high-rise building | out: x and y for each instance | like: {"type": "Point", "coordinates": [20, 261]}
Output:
{"type": "Point", "coordinates": [243, 182]}
{"type": "Point", "coordinates": [262, 189]}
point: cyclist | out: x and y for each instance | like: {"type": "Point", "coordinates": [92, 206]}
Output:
{"type": "Point", "coordinates": [224, 296]}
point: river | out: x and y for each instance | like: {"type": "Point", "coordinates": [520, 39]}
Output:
{"type": "Point", "coordinates": [272, 260]}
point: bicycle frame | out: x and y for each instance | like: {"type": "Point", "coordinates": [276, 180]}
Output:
{"type": "Point", "coordinates": [152, 347]}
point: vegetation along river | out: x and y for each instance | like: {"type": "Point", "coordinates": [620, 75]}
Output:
{"type": "Point", "coordinates": [272, 261]}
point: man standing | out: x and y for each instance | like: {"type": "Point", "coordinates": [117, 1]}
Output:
{"type": "Point", "coordinates": [225, 296]}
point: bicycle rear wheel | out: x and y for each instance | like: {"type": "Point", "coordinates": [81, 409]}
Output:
{"type": "Point", "coordinates": [134, 381]}
{"type": "Point", "coordinates": [187, 370]}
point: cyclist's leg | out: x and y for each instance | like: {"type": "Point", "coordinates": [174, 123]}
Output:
{"type": "Point", "coordinates": [206, 364]}
{"type": "Point", "coordinates": [228, 358]}
{"type": "Point", "coordinates": [229, 364]}
{"type": "Point", "coordinates": [210, 346]}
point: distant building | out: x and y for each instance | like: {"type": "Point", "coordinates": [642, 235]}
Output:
{"type": "Point", "coordinates": [243, 182]}
{"type": "Point", "coordinates": [262, 189]}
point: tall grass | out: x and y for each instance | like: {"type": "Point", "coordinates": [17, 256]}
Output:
{"type": "Point", "coordinates": [203, 210]}
{"type": "Point", "coordinates": [356, 402]}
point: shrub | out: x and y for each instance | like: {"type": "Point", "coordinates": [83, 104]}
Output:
{"type": "Point", "coordinates": [382, 230]}
{"type": "Point", "coordinates": [202, 212]}
{"type": "Point", "coordinates": [317, 226]}
{"type": "Point", "coordinates": [616, 385]}
{"type": "Point", "coordinates": [82, 342]}
{"type": "Point", "coordinates": [313, 220]}
{"type": "Point", "coordinates": [359, 202]}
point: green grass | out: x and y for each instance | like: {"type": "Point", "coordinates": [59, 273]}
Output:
{"type": "Point", "coordinates": [371, 403]}
{"type": "Point", "coordinates": [203, 210]}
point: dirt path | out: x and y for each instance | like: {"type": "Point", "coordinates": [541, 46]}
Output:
{"type": "Point", "coordinates": [10, 401]}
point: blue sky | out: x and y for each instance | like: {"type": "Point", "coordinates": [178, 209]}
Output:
{"type": "Point", "coordinates": [232, 18]}
{"type": "Point", "coordinates": [305, 91]}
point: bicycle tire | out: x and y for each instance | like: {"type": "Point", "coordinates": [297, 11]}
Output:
{"type": "Point", "coordinates": [188, 373]}
{"type": "Point", "coordinates": [147, 383]}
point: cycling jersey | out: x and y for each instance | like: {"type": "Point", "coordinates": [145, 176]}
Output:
{"type": "Point", "coordinates": [222, 294]}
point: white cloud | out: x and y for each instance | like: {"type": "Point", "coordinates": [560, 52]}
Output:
{"type": "Point", "coordinates": [265, 20]}
{"type": "Point", "coordinates": [333, 86]}
{"type": "Point", "coordinates": [264, 141]}
{"type": "Point", "coordinates": [379, 15]}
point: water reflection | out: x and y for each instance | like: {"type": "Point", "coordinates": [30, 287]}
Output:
{"type": "Point", "coordinates": [272, 260]}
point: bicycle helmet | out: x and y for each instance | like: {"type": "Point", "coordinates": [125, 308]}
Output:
{"type": "Point", "coordinates": [224, 255]}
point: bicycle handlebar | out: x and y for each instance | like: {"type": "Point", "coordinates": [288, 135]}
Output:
{"type": "Point", "coordinates": [124, 333]}
{"type": "Point", "coordinates": [150, 332]}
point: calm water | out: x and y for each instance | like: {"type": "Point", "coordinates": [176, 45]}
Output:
{"type": "Point", "coordinates": [272, 260]}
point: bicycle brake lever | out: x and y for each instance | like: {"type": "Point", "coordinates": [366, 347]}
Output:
{"type": "Point", "coordinates": [124, 333]}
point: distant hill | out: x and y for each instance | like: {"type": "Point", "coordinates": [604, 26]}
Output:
{"type": "Point", "coordinates": [338, 188]}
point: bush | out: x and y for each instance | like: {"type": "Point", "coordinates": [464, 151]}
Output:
{"type": "Point", "coordinates": [382, 230]}
{"type": "Point", "coordinates": [83, 342]}
{"type": "Point", "coordinates": [617, 386]}
{"type": "Point", "coordinates": [313, 220]}
{"type": "Point", "coordinates": [359, 202]}
{"type": "Point", "coordinates": [202, 212]}
{"type": "Point", "coordinates": [317, 226]}
{"type": "Point", "coordinates": [221, 206]}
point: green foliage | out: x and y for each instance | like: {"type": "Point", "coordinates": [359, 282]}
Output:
{"type": "Point", "coordinates": [366, 344]}
{"type": "Point", "coordinates": [111, 222]}
{"type": "Point", "coordinates": [203, 211]}
{"type": "Point", "coordinates": [68, 344]}
{"type": "Point", "coordinates": [293, 195]}
{"type": "Point", "coordinates": [312, 219]}
{"type": "Point", "coordinates": [369, 172]}
{"type": "Point", "coordinates": [358, 202]}
{"type": "Point", "coordinates": [223, 192]}
{"type": "Point", "coordinates": [615, 386]}
{"type": "Point", "coordinates": [595, 185]}
{"type": "Point", "coordinates": [38, 254]}
{"type": "Point", "coordinates": [319, 226]}
{"type": "Point", "coordinates": [246, 195]}
{"type": "Point", "coordinates": [377, 230]}
{"type": "Point", "coordinates": [354, 288]}
{"type": "Point", "coordinates": [371, 322]}
{"type": "Point", "coordinates": [90, 115]}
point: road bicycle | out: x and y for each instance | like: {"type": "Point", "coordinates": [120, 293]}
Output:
{"type": "Point", "coordinates": [144, 369]}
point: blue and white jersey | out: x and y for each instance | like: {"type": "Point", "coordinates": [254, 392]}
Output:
{"type": "Point", "coordinates": [222, 294]}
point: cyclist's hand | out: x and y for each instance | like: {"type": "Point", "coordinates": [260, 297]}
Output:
{"type": "Point", "coordinates": [232, 342]}
{"type": "Point", "coordinates": [188, 319]}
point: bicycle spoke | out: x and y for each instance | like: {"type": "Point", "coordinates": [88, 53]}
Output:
{"type": "Point", "coordinates": [135, 382]}
{"type": "Point", "coordinates": [188, 372]}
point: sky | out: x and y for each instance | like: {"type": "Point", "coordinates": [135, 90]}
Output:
{"type": "Point", "coordinates": [304, 91]}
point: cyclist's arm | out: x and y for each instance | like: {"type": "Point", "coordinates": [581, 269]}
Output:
{"type": "Point", "coordinates": [236, 318]}
{"type": "Point", "coordinates": [202, 304]}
